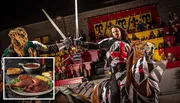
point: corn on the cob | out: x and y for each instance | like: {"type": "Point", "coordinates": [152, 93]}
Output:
{"type": "Point", "coordinates": [42, 78]}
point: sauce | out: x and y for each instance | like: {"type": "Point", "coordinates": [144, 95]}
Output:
{"type": "Point", "coordinates": [31, 65]}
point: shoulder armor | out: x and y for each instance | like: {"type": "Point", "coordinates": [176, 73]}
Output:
{"type": "Point", "coordinates": [105, 40]}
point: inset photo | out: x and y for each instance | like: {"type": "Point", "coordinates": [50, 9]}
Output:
{"type": "Point", "coordinates": [28, 78]}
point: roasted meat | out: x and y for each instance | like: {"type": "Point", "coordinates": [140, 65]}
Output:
{"type": "Point", "coordinates": [23, 83]}
{"type": "Point", "coordinates": [41, 88]}
{"type": "Point", "coordinates": [36, 81]}
{"type": "Point", "coordinates": [23, 76]}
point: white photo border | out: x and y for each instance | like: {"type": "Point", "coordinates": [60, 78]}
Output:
{"type": "Point", "coordinates": [53, 69]}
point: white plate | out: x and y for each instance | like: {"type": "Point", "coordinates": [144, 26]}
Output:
{"type": "Point", "coordinates": [31, 94]}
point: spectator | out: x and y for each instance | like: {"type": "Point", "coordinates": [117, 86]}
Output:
{"type": "Point", "coordinates": [160, 33]}
{"type": "Point", "coordinates": [152, 27]}
{"type": "Point", "coordinates": [175, 17]}
{"type": "Point", "coordinates": [76, 55]}
{"type": "Point", "coordinates": [160, 48]}
{"type": "Point", "coordinates": [136, 29]}
{"type": "Point", "coordinates": [56, 73]}
{"type": "Point", "coordinates": [68, 72]}
{"type": "Point", "coordinates": [148, 26]}
{"type": "Point", "coordinates": [167, 34]}
{"type": "Point", "coordinates": [170, 57]}
{"type": "Point", "coordinates": [161, 51]}
{"type": "Point", "coordinates": [171, 19]}
{"type": "Point", "coordinates": [67, 59]}
{"type": "Point", "coordinates": [152, 35]}
{"type": "Point", "coordinates": [86, 56]}
{"type": "Point", "coordinates": [62, 71]}
{"type": "Point", "coordinates": [83, 71]}
{"type": "Point", "coordinates": [167, 44]}
{"type": "Point", "coordinates": [141, 26]}
{"type": "Point", "coordinates": [72, 71]}
{"type": "Point", "coordinates": [176, 35]}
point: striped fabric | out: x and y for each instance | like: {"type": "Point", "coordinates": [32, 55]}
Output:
{"type": "Point", "coordinates": [130, 94]}
{"type": "Point", "coordinates": [77, 57]}
{"type": "Point", "coordinates": [141, 71]}
{"type": "Point", "coordinates": [115, 90]}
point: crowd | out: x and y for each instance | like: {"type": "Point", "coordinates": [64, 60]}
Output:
{"type": "Point", "coordinates": [67, 60]}
{"type": "Point", "coordinates": [171, 33]}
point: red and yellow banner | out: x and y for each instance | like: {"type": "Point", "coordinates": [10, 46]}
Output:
{"type": "Point", "coordinates": [125, 19]}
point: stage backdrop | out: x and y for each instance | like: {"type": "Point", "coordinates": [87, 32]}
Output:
{"type": "Point", "coordinates": [126, 19]}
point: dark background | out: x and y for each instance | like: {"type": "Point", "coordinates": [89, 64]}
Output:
{"type": "Point", "coordinates": [22, 12]}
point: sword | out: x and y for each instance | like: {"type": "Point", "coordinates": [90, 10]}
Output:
{"type": "Point", "coordinates": [55, 26]}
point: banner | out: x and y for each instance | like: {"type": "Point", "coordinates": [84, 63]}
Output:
{"type": "Point", "coordinates": [126, 19]}
{"type": "Point", "coordinates": [143, 34]}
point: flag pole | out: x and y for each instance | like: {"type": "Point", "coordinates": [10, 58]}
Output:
{"type": "Point", "coordinates": [76, 18]}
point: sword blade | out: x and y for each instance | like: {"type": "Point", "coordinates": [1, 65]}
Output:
{"type": "Point", "coordinates": [55, 26]}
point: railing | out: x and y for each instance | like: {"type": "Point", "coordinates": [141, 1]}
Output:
{"type": "Point", "coordinates": [68, 81]}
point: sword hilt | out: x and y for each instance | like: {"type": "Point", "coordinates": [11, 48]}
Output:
{"type": "Point", "coordinates": [78, 38]}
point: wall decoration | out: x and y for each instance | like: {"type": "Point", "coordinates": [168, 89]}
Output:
{"type": "Point", "coordinates": [43, 39]}
{"type": "Point", "coordinates": [38, 39]}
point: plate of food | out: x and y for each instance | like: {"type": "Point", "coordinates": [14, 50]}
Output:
{"type": "Point", "coordinates": [14, 71]}
{"type": "Point", "coordinates": [28, 85]}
